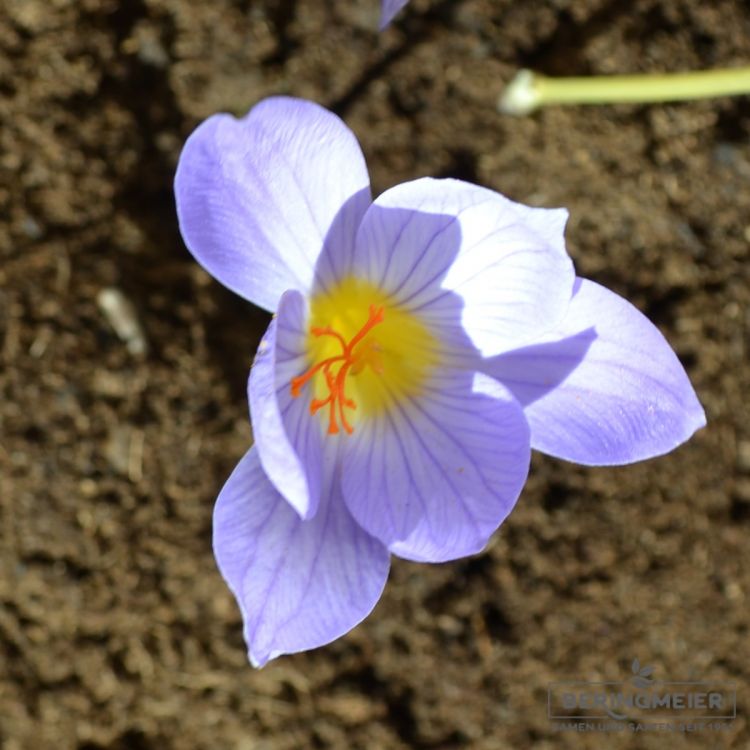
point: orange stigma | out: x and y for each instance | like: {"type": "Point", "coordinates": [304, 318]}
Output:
{"type": "Point", "coordinates": [348, 361]}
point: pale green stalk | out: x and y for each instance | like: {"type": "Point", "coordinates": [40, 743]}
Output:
{"type": "Point", "coordinates": [529, 91]}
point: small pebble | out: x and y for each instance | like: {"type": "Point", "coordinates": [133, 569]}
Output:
{"type": "Point", "coordinates": [121, 315]}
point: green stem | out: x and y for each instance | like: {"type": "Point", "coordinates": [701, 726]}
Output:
{"type": "Point", "coordinates": [529, 91]}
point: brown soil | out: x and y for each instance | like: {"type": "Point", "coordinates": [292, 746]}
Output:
{"type": "Point", "coordinates": [116, 631]}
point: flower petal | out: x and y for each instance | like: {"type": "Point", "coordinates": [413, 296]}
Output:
{"type": "Point", "coordinates": [289, 442]}
{"type": "Point", "coordinates": [388, 10]}
{"type": "Point", "coordinates": [429, 241]}
{"type": "Point", "coordinates": [258, 197]}
{"type": "Point", "coordinates": [299, 584]}
{"type": "Point", "coordinates": [434, 477]}
{"type": "Point", "coordinates": [605, 388]}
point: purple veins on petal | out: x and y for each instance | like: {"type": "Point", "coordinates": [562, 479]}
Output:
{"type": "Point", "coordinates": [258, 197]}
{"type": "Point", "coordinates": [300, 584]}
{"type": "Point", "coordinates": [439, 475]}
{"type": "Point", "coordinates": [604, 387]}
{"type": "Point", "coordinates": [439, 243]}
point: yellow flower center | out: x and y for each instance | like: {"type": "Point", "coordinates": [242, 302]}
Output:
{"type": "Point", "coordinates": [356, 330]}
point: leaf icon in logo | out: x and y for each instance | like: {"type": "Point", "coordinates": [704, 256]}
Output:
{"type": "Point", "coordinates": [642, 678]}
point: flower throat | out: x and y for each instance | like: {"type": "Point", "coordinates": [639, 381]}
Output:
{"type": "Point", "coordinates": [357, 330]}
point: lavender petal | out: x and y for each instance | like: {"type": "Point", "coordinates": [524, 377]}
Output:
{"type": "Point", "coordinates": [434, 477]}
{"type": "Point", "coordinates": [259, 197]}
{"type": "Point", "coordinates": [604, 387]}
{"type": "Point", "coordinates": [299, 584]}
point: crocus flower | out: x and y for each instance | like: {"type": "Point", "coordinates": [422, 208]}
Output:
{"type": "Point", "coordinates": [388, 9]}
{"type": "Point", "coordinates": [422, 344]}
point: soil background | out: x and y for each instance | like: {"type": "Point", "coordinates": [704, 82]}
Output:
{"type": "Point", "coordinates": [116, 631]}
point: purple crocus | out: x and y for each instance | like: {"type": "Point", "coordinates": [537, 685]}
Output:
{"type": "Point", "coordinates": [388, 9]}
{"type": "Point", "coordinates": [422, 344]}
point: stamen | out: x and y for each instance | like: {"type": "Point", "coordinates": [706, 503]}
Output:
{"type": "Point", "coordinates": [351, 361]}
